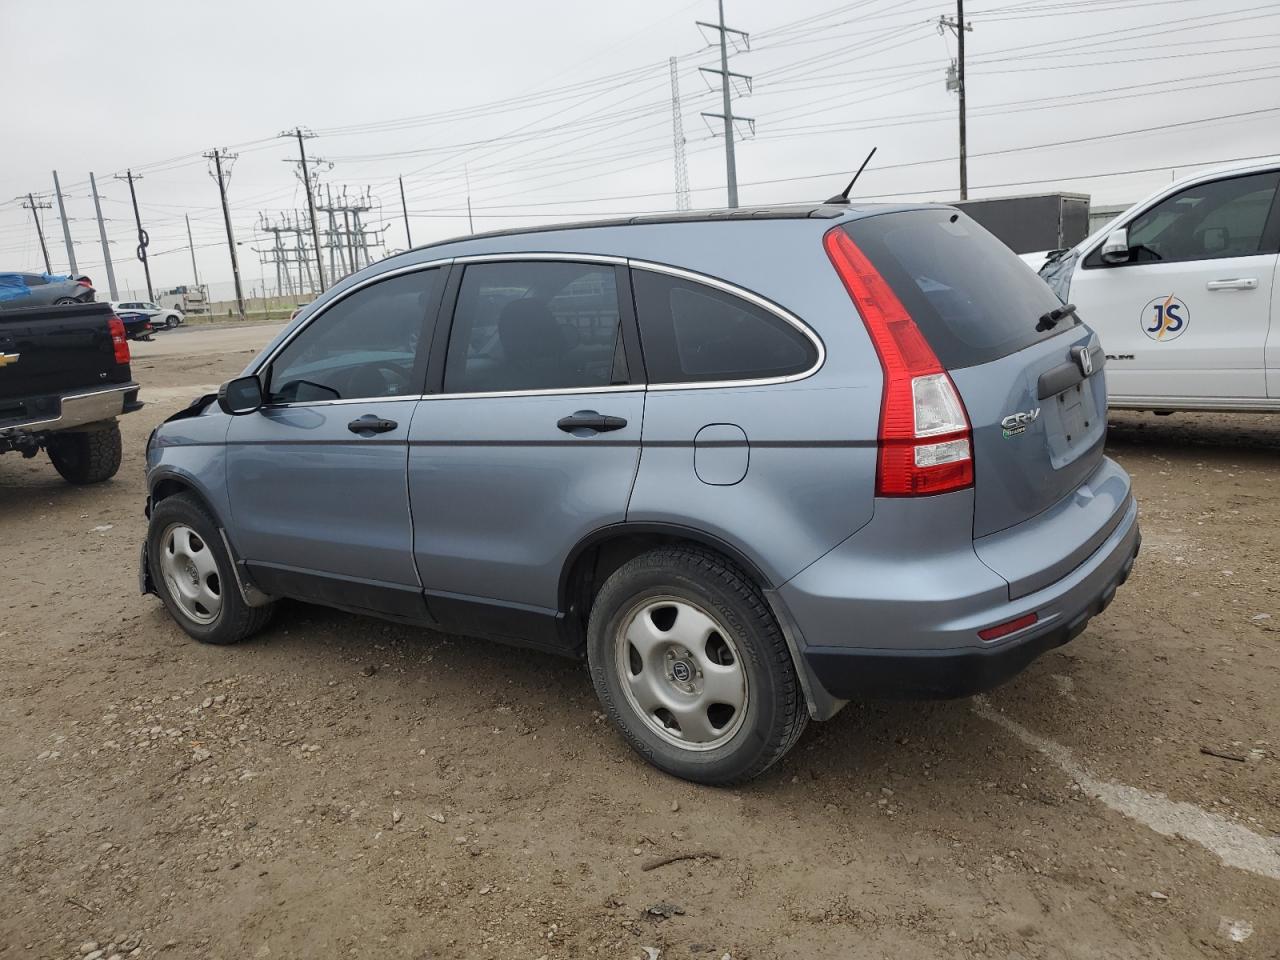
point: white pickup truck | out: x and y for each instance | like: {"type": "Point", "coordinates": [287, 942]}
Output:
{"type": "Point", "coordinates": [1182, 290]}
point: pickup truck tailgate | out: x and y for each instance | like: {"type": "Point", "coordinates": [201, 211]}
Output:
{"type": "Point", "coordinates": [48, 353]}
{"type": "Point", "coordinates": [57, 349]}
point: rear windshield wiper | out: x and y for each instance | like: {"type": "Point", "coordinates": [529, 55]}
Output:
{"type": "Point", "coordinates": [1050, 320]}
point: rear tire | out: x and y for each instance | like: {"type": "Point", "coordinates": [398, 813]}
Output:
{"type": "Point", "coordinates": [692, 667]}
{"type": "Point", "coordinates": [183, 540]}
{"type": "Point", "coordinates": [88, 456]}
{"type": "Point", "coordinates": [65, 301]}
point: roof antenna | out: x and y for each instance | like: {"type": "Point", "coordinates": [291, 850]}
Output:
{"type": "Point", "coordinates": [844, 197]}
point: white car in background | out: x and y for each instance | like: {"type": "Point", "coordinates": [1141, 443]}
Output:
{"type": "Point", "coordinates": [160, 316]}
{"type": "Point", "coordinates": [1182, 290]}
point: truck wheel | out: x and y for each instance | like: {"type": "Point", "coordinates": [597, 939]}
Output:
{"type": "Point", "coordinates": [88, 456]}
{"type": "Point", "coordinates": [194, 575]}
{"type": "Point", "coordinates": [692, 668]}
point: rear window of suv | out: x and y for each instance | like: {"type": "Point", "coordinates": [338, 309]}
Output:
{"type": "Point", "coordinates": [969, 294]}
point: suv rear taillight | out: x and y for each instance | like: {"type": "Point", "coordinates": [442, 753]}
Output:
{"type": "Point", "coordinates": [119, 342]}
{"type": "Point", "coordinates": [84, 282]}
{"type": "Point", "coordinates": [925, 437]}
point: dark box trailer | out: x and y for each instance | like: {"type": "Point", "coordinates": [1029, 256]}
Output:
{"type": "Point", "coordinates": [1029, 224]}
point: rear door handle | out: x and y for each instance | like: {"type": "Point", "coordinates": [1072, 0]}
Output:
{"type": "Point", "coordinates": [1241, 283]}
{"type": "Point", "coordinates": [590, 420]}
{"type": "Point", "coordinates": [370, 424]}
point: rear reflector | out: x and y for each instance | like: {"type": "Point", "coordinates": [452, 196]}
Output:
{"type": "Point", "coordinates": [119, 342]}
{"type": "Point", "coordinates": [1004, 629]}
{"type": "Point", "coordinates": [924, 429]}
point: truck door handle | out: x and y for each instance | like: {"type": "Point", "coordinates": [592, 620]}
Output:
{"type": "Point", "coordinates": [370, 424]}
{"type": "Point", "coordinates": [590, 420]}
{"type": "Point", "coordinates": [1241, 283]}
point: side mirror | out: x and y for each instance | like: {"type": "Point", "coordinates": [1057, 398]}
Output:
{"type": "Point", "coordinates": [241, 395]}
{"type": "Point", "coordinates": [1115, 249]}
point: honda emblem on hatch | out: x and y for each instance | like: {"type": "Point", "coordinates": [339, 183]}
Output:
{"type": "Point", "coordinates": [1085, 359]}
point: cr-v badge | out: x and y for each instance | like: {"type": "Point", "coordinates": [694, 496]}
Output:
{"type": "Point", "coordinates": [1016, 423]}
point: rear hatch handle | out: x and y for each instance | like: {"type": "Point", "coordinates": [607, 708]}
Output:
{"type": "Point", "coordinates": [1066, 375]}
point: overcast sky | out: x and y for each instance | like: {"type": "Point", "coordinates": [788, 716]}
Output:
{"type": "Point", "coordinates": [560, 109]}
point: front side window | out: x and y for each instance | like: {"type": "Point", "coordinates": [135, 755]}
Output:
{"type": "Point", "coordinates": [1209, 221]}
{"type": "Point", "coordinates": [535, 325]}
{"type": "Point", "coordinates": [691, 332]}
{"type": "Point", "coordinates": [365, 345]}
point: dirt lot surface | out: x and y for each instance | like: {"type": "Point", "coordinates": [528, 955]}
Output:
{"type": "Point", "coordinates": [342, 787]}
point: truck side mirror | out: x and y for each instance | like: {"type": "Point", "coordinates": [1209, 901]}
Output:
{"type": "Point", "coordinates": [1115, 249]}
{"type": "Point", "coordinates": [241, 395]}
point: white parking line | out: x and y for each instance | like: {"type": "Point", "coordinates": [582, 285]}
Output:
{"type": "Point", "coordinates": [1233, 844]}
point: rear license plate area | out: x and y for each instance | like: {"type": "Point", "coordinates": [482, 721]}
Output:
{"type": "Point", "coordinates": [1077, 415]}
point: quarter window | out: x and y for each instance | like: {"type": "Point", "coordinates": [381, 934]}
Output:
{"type": "Point", "coordinates": [535, 325]}
{"type": "Point", "coordinates": [691, 332]}
{"type": "Point", "coordinates": [366, 345]}
{"type": "Point", "coordinates": [1209, 221]}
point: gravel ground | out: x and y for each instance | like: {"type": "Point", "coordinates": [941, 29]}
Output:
{"type": "Point", "coordinates": [343, 787]}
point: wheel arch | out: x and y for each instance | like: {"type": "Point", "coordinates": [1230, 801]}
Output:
{"type": "Point", "coordinates": [166, 483]}
{"type": "Point", "coordinates": [604, 550]}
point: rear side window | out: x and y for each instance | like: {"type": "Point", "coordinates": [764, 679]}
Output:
{"type": "Point", "coordinates": [535, 325]}
{"type": "Point", "coordinates": [694, 333]}
{"type": "Point", "coordinates": [969, 294]}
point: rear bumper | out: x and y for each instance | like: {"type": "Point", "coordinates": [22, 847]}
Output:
{"type": "Point", "coordinates": [46, 414]}
{"type": "Point", "coordinates": [853, 674]}
{"type": "Point", "coordinates": [895, 611]}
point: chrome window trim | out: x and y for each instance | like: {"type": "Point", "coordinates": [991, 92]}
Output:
{"type": "Point", "coordinates": [716, 283]}
{"type": "Point", "coordinates": [753, 298]}
{"type": "Point", "coordinates": [561, 257]}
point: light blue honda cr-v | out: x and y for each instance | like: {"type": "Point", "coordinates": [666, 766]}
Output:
{"type": "Point", "coordinates": [749, 464]}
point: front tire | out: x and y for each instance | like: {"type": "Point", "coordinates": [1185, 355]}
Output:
{"type": "Point", "coordinates": [195, 576]}
{"type": "Point", "coordinates": [86, 456]}
{"type": "Point", "coordinates": [692, 667]}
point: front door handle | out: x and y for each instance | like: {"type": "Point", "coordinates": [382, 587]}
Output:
{"type": "Point", "coordinates": [1241, 283]}
{"type": "Point", "coordinates": [590, 420]}
{"type": "Point", "coordinates": [370, 424]}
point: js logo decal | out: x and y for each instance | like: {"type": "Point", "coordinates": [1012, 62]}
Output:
{"type": "Point", "coordinates": [1165, 318]}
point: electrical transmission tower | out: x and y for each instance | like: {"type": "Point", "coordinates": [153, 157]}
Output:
{"type": "Point", "coordinates": [349, 240]}
{"type": "Point", "coordinates": [955, 81]}
{"type": "Point", "coordinates": [35, 206]}
{"type": "Point", "coordinates": [726, 79]}
{"type": "Point", "coordinates": [677, 134]}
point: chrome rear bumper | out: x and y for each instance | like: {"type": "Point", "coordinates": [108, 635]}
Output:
{"type": "Point", "coordinates": [78, 409]}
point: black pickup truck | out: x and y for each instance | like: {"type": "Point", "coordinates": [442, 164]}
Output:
{"type": "Point", "coordinates": [64, 379]}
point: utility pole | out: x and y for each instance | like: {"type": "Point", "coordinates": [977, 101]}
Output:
{"type": "Point", "coordinates": [730, 161]}
{"type": "Point", "coordinates": [102, 232]}
{"type": "Point", "coordinates": [143, 240]}
{"type": "Point", "coordinates": [66, 227]}
{"type": "Point", "coordinates": [677, 135]}
{"type": "Point", "coordinates": [35, 209]}
{"type": "Point", "coordinates": [311, 203]}
{"type": "Point", "coordinates": [191, 245]}
{"type": "Point", "coordinates": [959, 28]}
{"type": "Point", "coordinates": [404, 208]}
{"type": "Point", "coordinates": [217, 156]}
{"type": "Point", "coordinates": [466, 172]}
